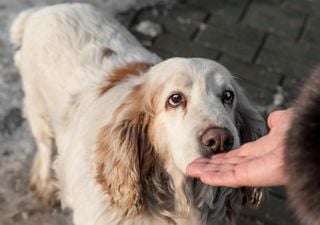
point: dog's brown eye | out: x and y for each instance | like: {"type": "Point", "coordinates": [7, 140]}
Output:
{"type": "Point", "coordinates": [227, 97]}
{"type": "Point", "coordinates": [175, 100]}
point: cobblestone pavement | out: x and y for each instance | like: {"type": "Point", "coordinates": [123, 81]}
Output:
{"type": "Point", "coordinates": [270, 46]}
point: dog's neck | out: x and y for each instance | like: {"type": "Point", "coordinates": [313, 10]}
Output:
{"type": "Point", "coordinates": [183, 195]}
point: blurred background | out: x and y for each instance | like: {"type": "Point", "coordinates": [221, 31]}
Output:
{"type": "Point", "coordinates": [269, 45]}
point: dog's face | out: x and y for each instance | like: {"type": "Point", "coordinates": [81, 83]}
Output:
{"type": "Point", "coordinates": [195, 105]}
{"type": "Point", "coordinates": [177, 111]}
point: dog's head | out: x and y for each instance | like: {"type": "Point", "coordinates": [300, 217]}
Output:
{"type": "Point", "coordinates": [199, 110]}
{"type": "Point", "coordinates": [179, 110]}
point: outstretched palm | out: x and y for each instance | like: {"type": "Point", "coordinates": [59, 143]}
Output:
{"type": "Point", "coordinates": [258, 163]}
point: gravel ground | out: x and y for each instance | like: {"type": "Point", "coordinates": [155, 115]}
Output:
{"type": "Point", "coordinates": [17, 204]}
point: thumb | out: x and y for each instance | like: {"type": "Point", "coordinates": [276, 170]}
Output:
{"type": "Point", "coordinates": [275, 117]}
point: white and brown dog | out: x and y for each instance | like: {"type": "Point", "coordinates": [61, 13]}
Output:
{"type": "Point", "coordinates": [125, 124]}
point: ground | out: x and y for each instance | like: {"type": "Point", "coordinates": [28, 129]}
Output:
{"type": "Point", "coordinates": [270, 46]}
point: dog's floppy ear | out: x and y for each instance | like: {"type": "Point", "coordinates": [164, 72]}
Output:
{"type": "Point", "coordinates": [118, 156]}
{"type": "Point", "coordinates": [249, 121]}
{"type": "Point", "coordinates": [251, 125]}
{"type": "Point", "coordinates": [128, 167]}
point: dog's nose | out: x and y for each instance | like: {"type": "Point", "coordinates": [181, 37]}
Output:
{"type": "Point", "coordinates": [217, 140]}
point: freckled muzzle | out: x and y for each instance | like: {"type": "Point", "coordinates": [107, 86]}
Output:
{"type": "Point", "coordinates": [216, 140]}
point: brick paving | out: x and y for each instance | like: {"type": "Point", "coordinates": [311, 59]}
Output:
{"type": "Point", "coordinates": [267, 45]}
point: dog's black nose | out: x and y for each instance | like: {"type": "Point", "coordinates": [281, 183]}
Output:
{"type": "Point", "coordinates": [217, 140]}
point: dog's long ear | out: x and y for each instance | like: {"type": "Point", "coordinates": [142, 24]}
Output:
{"type": "Point", "coordinates": [128, 167]}
{"type": "Point", "coordinates": [249, 121]}
{"type": "Point", "coordinates": [251, 126]}
{"type": "Point", "coordinates": [118, 156]}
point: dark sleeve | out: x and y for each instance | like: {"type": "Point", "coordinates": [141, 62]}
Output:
{"type": "Point", "coordinates": [302, 154]}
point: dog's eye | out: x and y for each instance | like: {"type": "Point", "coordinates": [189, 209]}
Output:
{"type": "Point", "coordinates": [227, 97]}
{"type": "Point", "coordinates": [175, 100]}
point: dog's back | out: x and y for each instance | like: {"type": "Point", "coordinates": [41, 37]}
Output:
{"type": "Point", "coordinates": [66, 49]}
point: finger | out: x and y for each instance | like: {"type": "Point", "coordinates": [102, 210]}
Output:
{"type": "Point", "coordinates": [228, 160]}
{"type": "Point", "coordinates": [278, 115]}
{"type": "Point", "coordinates": [220, 155]}
{"type": "Point", "coordinates": [242, 151]}
{"type": "Point", "coordinates": [255, 173]}
{"type": "Point", "coordinates": [194, 169]}
{"type": "Point", "coordinates": [215, 178]}
{"type": "Point", "coordinates": [242, 174]}
{"type": "Point", "coordinates": [239, 175]}
{"type": "Point", "coordinates": [217, 167]}
{"type": "Point", "coordinates": [201, 160]}
{"type": "Point", "coordinates": [232, 153]}
{"type": "Point", "coordinates": [255, 148]}
{"type": "Point", "coordinates": [274, 117]}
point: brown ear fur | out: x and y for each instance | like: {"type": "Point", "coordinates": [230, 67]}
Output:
{"type": "Point", "coordinates": [251, 125]}
{"type": "Point", "coordinates": [118, 167]}
{"type": "Point", "coordinates": [128, 168]}
{"type": "Point", "coordinates": [118, 157]}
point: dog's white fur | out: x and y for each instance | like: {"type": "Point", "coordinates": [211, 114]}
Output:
{"type": "Point", "coordinates": [61, 57]}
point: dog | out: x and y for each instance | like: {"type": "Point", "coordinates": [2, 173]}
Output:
{"type": "Point", "coordinates": [124, 123]}
{"type": "Point", "coordinates": [302, 153]}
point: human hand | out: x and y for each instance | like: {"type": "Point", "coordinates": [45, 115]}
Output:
{"type": "Point", "coordinates": [257, 163]}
